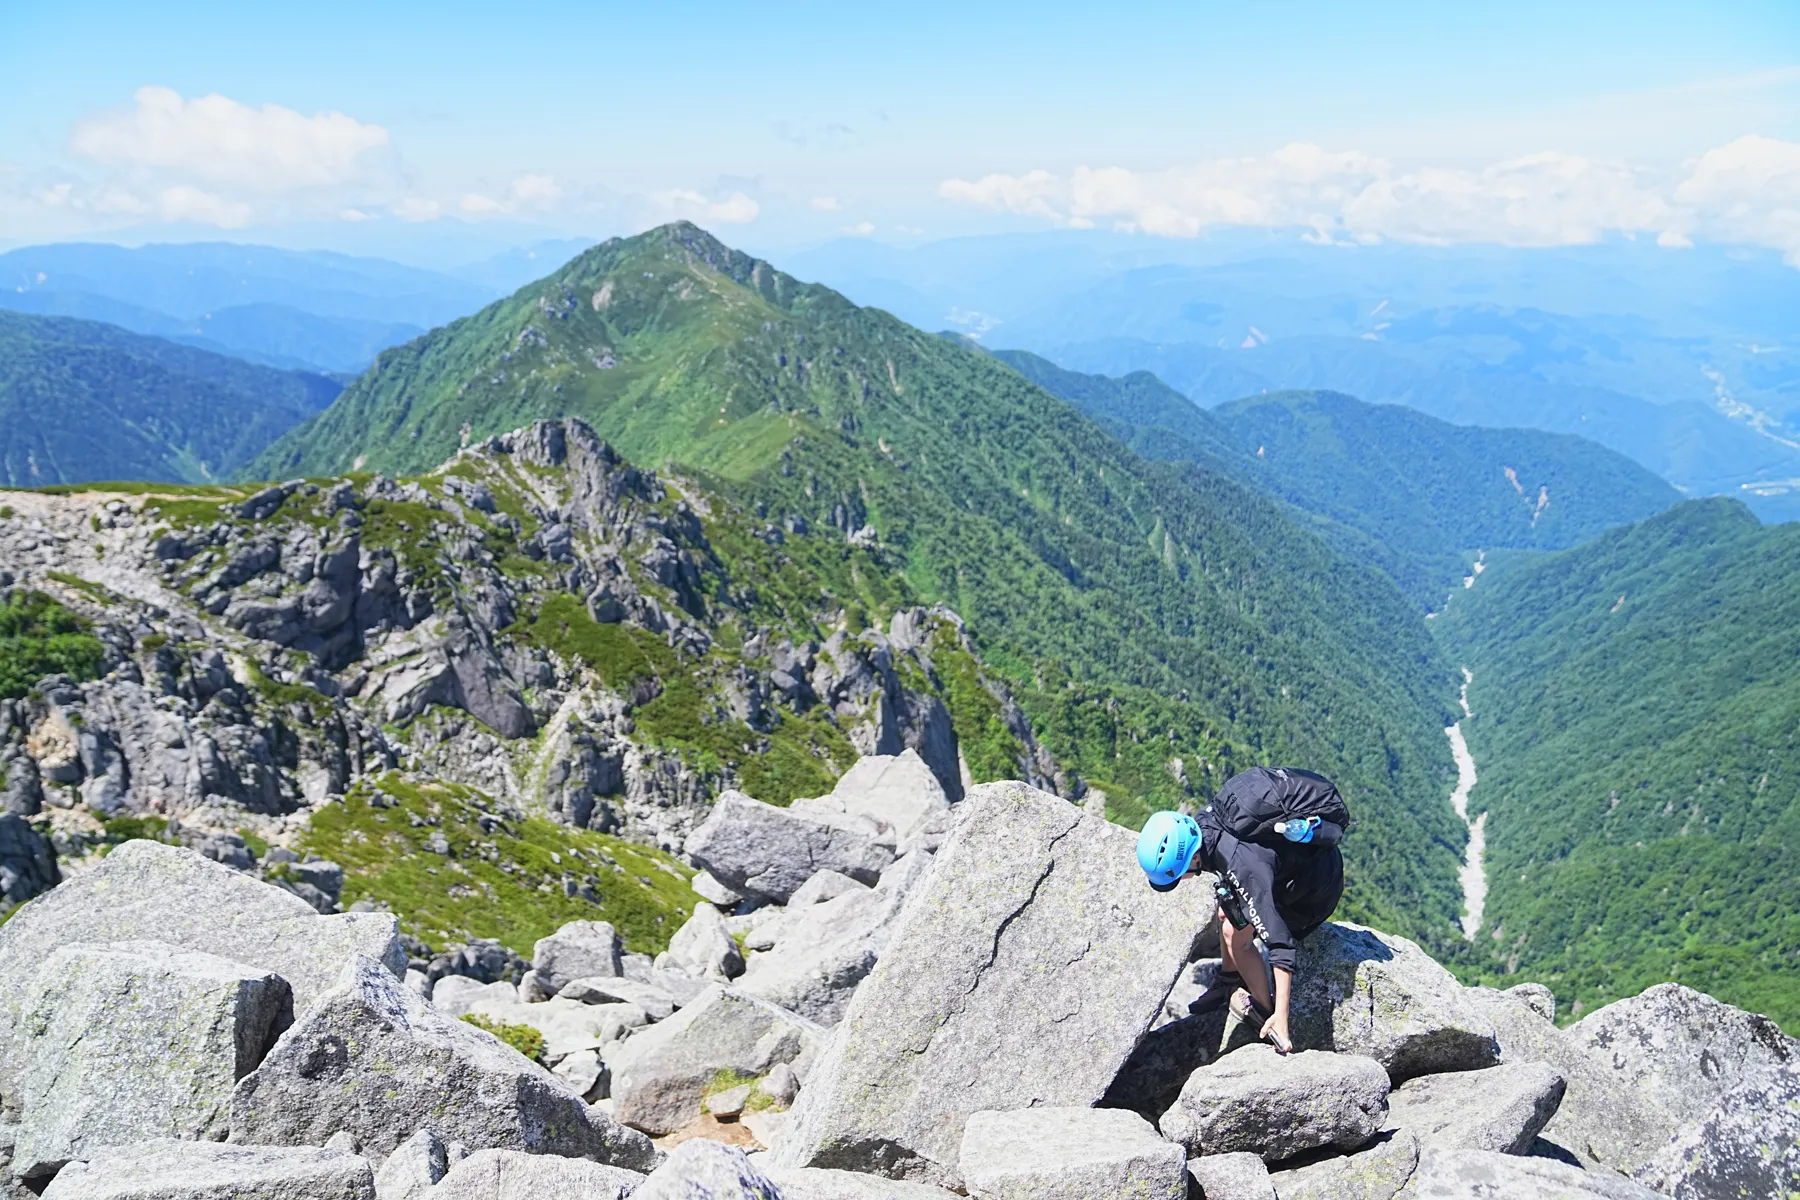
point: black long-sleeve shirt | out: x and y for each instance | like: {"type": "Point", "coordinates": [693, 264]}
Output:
{"type": "Point", "coordinates": [1285, 892]}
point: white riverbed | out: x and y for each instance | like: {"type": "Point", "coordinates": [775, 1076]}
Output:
{"type": "Point", "coordinates": [1472, 876]}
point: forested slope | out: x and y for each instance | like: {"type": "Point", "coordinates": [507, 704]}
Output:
{"type": "Point", "coordinates": [1161, 624]}
{"type": "Point", "coordinates": [83, 401]}
{"type": "Point", "coordinates": [1637, 732]}
{"type": "Point", "coordinates": [1415, 495]}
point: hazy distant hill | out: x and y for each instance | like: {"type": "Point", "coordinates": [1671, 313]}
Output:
{"type": "Point", "coordinates": [1636, 707]}
{"type": "Point", "coordinates": [1160, 623]}
{"type": "Point", "coordinates": [1415, 495]}
{"type": "Point", "coordinates": [83, 401]}
{"type": "Point", "coordinates": [286, 308]}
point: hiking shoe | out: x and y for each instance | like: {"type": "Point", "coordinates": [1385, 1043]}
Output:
{"type": "Point", "coordinates": [1217, 993]}
{"type": "Point", "coordinates": [1245, 1008]}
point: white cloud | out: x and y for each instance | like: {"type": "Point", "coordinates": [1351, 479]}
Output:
{"type": "Point", "coordinates": [1751, 189]}
{"type": "Point", "coordinates": [860, 229]}
{"type": "Point", "coordinates": [418, 208]}
{"type": "Point", "coordinates": [826, 204]}
{"type": "Point", "coordinates": [190, 204]}
{"type": "Point", "coordinates": [1028, 194]}
{"type": "Point", "coordinates": [1747, 191]}
{"type": "Point", "coordinates": [735, 209]}
{"type": "Point", "coordinates": [215, 138]}
{"type": "Point", "coordinates": [535, 192]}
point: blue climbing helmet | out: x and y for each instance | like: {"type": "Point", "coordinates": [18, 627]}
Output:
{"type": "Point", "coordinates": [1166, 848]}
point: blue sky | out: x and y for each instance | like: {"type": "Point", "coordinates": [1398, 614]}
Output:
{"type": "Point", "coordinates": [400, 124]}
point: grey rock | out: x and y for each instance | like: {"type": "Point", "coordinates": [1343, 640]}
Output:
{"type": "Point", "coordinates": [345, 1141]}
{"type": "Point", "coordinates": [822, 952]}
{"type": "Point", "coordinates": [1535, 996]}
{"type": "Point", "coordinates": [514, 1175]}
{"type": "Point", "coordinates": [1363, 992]}
{"type": "Point", "coordinates": [703, 946]}
{"type": "Point", "coordinates": [656, 1002]}
{"type": "Point", "coordinates": [457, 995]}
{"type": "Point", "coordinates": [131, 1041]}
{"type": "Point", "coordinates": [1033, 943]}
{"type": "Point", "coordinates": [813, 1183]}
{"type": "Point", "coordinates": [1502, 1108]}
{"type": "Point", "coordinates": [823, 886]}
{"type": "Point", "coordinates": [703, 1170]}
{"type": "Point", "coordinates": [897, 790]}
{"type": "Point", "coordinates": [414, 1166]}
{"type": "Point", "coordinates": [568, 1026]}
{"type": "Point", "coordinates": [27, 860]}
{"type": "Point", "coordinates": [1748, 1145]}
{"type": "Point", "coordinates": [1069, 1154]}
{"type": "Point", "coordinates": [1239, 1175]}
{"type": "Point", "coordinates": [660, 1074]}
{"type": "Point", "coordinates": [579, 950]}
{"type": "Point", "coordinates": [1484, 1175]}
{"type": "Point", "coordinates": [1682, 1050]}
{"type": "Point", "coordinates": [1601, 1121]}
{"type": "Point", "coordinates": [712, 891]}
{"type": "Point", "coordinates": [731, 1101]}
{"type": "Point", "coordinates": [1277, 1105]}
{"type": "Point", "coordinates": [780, 1084]}
{"type": "Point", "coordinates": [1377, 1173]}
{"type": "Point", "coordinates": [145, 890]}
{"type": "Point", "coordinates": [373, 1059]}
{"type": "Point", "coordinates": [584, 1072]}
{"type": "Point", "coordinates": [1153, 1076]}
{"type": "Point", "coordinates": [760, 850]}
{"type": "Point", "coordinates": [211, 1171]}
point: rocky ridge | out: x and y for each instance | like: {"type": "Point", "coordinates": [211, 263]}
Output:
{"type": "Point", "coordinates": [570, 635]}
{"type": "Point", "coordinates": [1016, 1027]}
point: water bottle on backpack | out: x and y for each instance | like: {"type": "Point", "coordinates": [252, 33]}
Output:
{"type": "Point", "coordinates": [1298, 829]}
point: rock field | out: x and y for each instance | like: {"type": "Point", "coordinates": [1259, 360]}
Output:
{"type": "Point", "coordinates": [970, 1013]}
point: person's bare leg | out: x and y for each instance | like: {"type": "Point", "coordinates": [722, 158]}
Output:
{"type": "Point", "coordinates": [1238, 952]}
{"type": "Point", "coordinates": [1227, 954]}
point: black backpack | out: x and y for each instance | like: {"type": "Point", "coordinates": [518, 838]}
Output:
{"type": "Point", "coordinates": [1252, 801]}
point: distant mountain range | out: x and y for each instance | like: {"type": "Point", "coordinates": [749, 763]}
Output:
{"type": "Point", "coordinates": [1418, 496]}
{"type": "Point", "coordinates": [1687, 362]}
{"type": "Point", "coordinates": [310, 310]}
{"type": "Point", "coordinates": [83, 401]}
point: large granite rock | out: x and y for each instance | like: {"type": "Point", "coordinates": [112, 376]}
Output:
{"type": "Point", "coordinates": [703, 1170]}
{"type": "Point", "coordinates": [131, 1041]}
{"type": "Point", "coordinates": [171, 1170]}
{"type": "Point", "coordinates": [1503, 1108]}
{"type": "Point", "coordinates": [146, 891]}
{"type": "Point", "coordinates": [413, 1168]}
{"type": "Point", "coordinates": [1034, 944]}
{"type": "Point", "coordinates": [1279, 1105]}
{"type": "Point", "coordinates": [1748, 1145]}
{"type": "Point", "coordinates": [660, 1074]}
{"type": "Point", "coordinates": [1363, 992]}
{"type": "Point", "coordinates": [1153, 1076]}
{"type": "Point", "coordinates": [372, 1059]}
{"type": "Point", "coordinates": [895, 790]}
{"type": "Point", "coordinates": [759, 850]}
{"type": "Point", "coordinates": [1485, 1175]}
{"type": "Point", "coordinates": [515, 1175]}
{"type": "Point", "coordinates": [821, 953]}
{"type": "Point", "coordinates": [816, 1183]}
{"type": "Point", "coordinates": [1681, 1049]}
{"type": "Point", "coordinates": [1069, 1154]}
{"type": "Point", "coordinates": [656, 1002]}
{"type": "Point", "coordinates": [579, 950]}
{"type": "Point", "coordinates": [1600, 1121]}
{"type": "Point", "coordinates": [1377, 1173]}
{"type": "Point", "coordinates": [703, 947]}
{"type": "Point", "coordinates": [1239, 1175]}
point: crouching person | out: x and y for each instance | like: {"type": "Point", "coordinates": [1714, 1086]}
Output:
{"type": "Point", "coordinates": [1271, 836]}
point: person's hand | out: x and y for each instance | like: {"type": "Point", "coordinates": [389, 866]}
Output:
{"type": "Point", "coordinates": [1275, 1030]}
